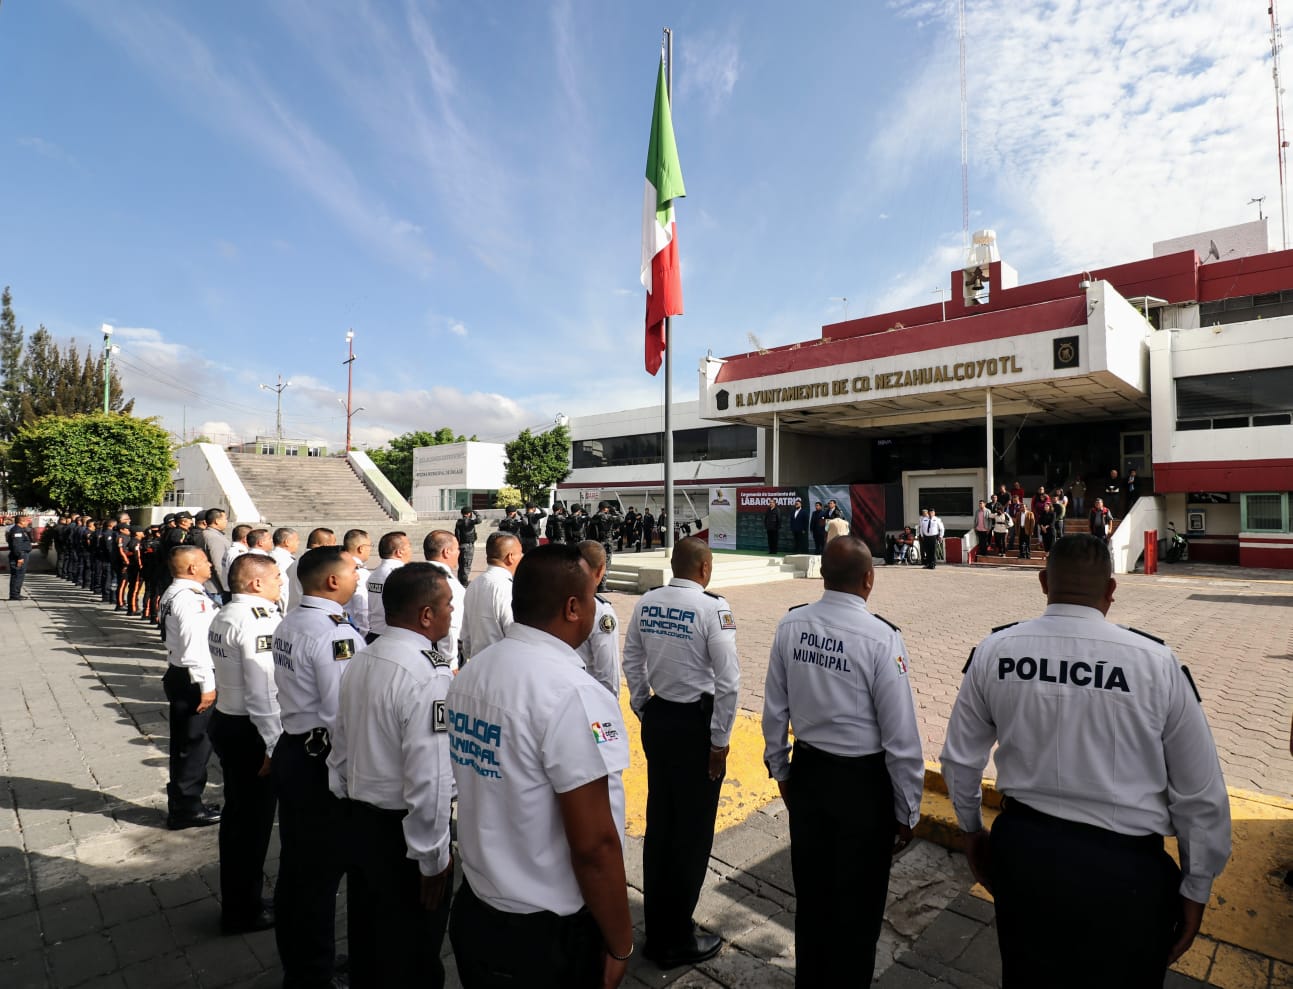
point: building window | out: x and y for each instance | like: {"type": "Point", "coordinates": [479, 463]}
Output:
{"type": "Point", "coordinates": [1264, 512]}
{"type": "Point", "coordinates": [266, 450]}
{"type": "Point", "coordinates": [689, 446]}
{"type": "Point", "coordinates": [1235, 400]}
{"type": "Point", "coordinates": [947, 501]}
{"type": "Point", "coordinates": [292, 451]}
{"type": "Point", "coordinates": [314, 451]}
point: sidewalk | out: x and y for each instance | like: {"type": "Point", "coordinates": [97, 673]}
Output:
{"type": "Point", "coordinates": [95, 892]}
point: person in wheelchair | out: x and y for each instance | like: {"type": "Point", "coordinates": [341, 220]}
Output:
{"type": "Point", "coordinates": [903, 543]}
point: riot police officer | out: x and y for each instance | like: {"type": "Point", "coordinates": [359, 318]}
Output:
{"type": "Point", "coordinates": [465, 532]}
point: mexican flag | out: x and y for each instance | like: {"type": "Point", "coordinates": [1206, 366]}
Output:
{"type": "Point", "coordinates": [660, 275]}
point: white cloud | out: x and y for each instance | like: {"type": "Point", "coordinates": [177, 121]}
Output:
{"type": "Point", "coordinates": [918, 286]}
{"type": "Point", "coordinates": [711, 69]}
{"type": "Point", "coordinates": [457, 329]}
{"type": "Point", "coordinates": [47, 149]}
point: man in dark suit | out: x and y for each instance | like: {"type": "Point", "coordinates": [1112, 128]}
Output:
{"type": "Point", "coordinates": [772, 523]}
{"type": "Point", "coordinates": [799, 519]}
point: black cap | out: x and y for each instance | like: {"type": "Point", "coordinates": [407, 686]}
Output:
{"type": "Point", "coordinates": [184, 515]}
{"type": "Point", "coordinates": [169, 518]}
{"type": "Point", "coordinates": [466, 510]}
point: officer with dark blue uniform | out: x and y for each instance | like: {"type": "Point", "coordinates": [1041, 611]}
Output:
{"type": "Point", "coordinates": [20, 546]}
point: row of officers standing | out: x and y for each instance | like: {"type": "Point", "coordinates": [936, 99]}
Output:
{"type": "Point", "coordinates": [1102, 749]}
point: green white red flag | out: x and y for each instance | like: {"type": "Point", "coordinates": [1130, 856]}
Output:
{"type": "Point", "coordinates": [660, 275]}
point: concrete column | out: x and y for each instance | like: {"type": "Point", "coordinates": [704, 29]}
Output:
{"type": "Point", "coordinates": [987, 399]}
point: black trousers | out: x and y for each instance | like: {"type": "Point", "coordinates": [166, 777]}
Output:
{"type": "Point", "coordinates": [774, 537]}
{"type": "Point", "coordinates": [17, 574]}
{"type": "Point", "coordinates": [190, 747]}
{"type": "Point", "coordinates": [466, 554]}
{"type": "Point", "coordinates": [309, 873]}
{"type": "Point", "coordinates": [801, 541]}
{"type": "Point", "coordinates": [841, 846]}
{"type": "Point", "coordinates": [1078, 906]}
{"type": "Point", "coordinates": [610, 553]}
{"type": "Point", "coordinates": [819, 541]}
{"type": "Point", "coordinates": [497, 950]}
{"type": "Point", "coordinates": [928, 551]}
{"type": "Point", "coordinates": [392, 941]}
{"type": "Point", "coordinates": [247, 820]}
{"type": "Point", "coordinates": [682, 802]}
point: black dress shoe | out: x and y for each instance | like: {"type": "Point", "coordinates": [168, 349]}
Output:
{"type": "Point", "coordinates": [203, 818]}
{"type": "Point", "coordinates": [262, 921]}
{"type": "Point", "coordinates": [693, 951]}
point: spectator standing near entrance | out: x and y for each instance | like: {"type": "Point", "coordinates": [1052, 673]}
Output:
{"type": "Point", "coordinates": [772, 524]}
{"type": "Point", "coordinates": [1100, 522]}
{"type": "Point", "coordinates": [1078, 490]}
{"type": "Point", "coordinates": [799, 527]}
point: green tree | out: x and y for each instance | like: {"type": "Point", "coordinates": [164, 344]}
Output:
{"type": "Point", "coordinates": [396, 461]}
{"type": "Point", "coordinates": [63, 383]}
{"type": "Point", "coordinates": [11, 375]}
{"type": "Point", "coordinates": [95, 463]}
{"type": "Point", "coordinates": [508, 498]}
{"type": "Point", "coordinates": [535, 462]}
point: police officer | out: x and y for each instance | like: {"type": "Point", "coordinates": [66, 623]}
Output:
{"type": "Point", "coordinates": [531, 529]}
{"type": "Point", "coordinates": [60, 545]}
{"type": "Point", "coordinates": [576, 524]}
{"type": "Point", "coordinates": [532, 778]}
{"type": "Point", "coordinates": [464, 531]}
{"type": "Point", "coordinates": [20, 546]}
{"type": "Point", "coordinates": [244, 730]}
{"type": "Point", "coordinates": [1103, 748]}
{"type": "Point", "coordinates": [130, 592]}
{"type": "Point", "coordinates": [390, 768]}
{"type": "Point", "coordinates": [487, 603]}
{"type": "Point", "coordinates": [190, 688]}
{"type": "Point", "coordinates": [601, 529]}
{"type": "Point", "coordinates": [153, 569]}
{"type": "Point", "coordinates": [359, 545]}
{"type": "Point", "coordinates": [648, 528]}
{"type": "Point", "coordinates": [555, 529]}
{"type": "Point", "coordinates": [838, 675]}
{"type": "Point", "coordinates": [394, 549]}
{"type": "Point", "coordinates": [683, 674]}
{"type": "Point", "coordinates": [102, 558]}
{"type": "Point", "coordinates": [441, 548]}
{"type": "Point", "coordinates": [89, 538]}
{"type": "Point", "coordinates": [178, 534]}
{"type": "Point", "coordinates": [931, 532]}
{"type": "Point", "coordinates": [511, 522]}
{"type": "Point", "coordinates": [311, 648]}
{"type": "Point", "coordinates": [601, 650]}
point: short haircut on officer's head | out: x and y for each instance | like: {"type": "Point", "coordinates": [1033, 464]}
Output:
{"type": "Point", "coordinates": [240, 532]}
{"type": "Point", "coordinates": [213, 515]}
{"type": "Point", "coordinates": [411, 588]}
{"type": "Point", "coordinates": [353, 539]}
{"type": "Point", "coordinates": [182, 557]}
{"type": "Point", "coordinates": [257, 537]}
{"type": "Point", "coordinates": [498, 545]}
{"type": "Point", "coordinates": [247, 568]}
{"type": "Point", "coordinates": [593, 552]}
{"type": "Point", "coordinates": [1078, 564]}
{"type": "Point", "coordinates": [546, 578]}
{"type": "Point", "coordinates": [436, 542]}
{"type": "Point", "coordinates": [846, 562]}
{"type": "Point", "coordinates": [282, 535]}
{"type": "Point", "coordinates": [390, 544]}
{"type": "Point", "coordinates": [689, 555]}
{"type": "Point", "coordinates": [321, 536]}
{"type": "Point", "coordinates": [316, 565]}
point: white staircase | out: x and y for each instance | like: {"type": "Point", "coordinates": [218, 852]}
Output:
{"type": "Point", "coordinates": [636, 573]}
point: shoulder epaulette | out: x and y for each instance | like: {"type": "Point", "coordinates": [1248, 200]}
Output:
{"type": "Point", "coordinates": [966, 668]}
{"type": "Point", "coordinates": [1002, 628]}
{"type": "Point", "coordinates": [1190, 679]}
{"type": "Point", "coordinates": [795, 606]}
{"type": "Point", "coordinates": [437, 658]}
{"type": "Point", "coordinates": [260, 612]}
{"type": "Point", "coordinates": [338, 619]}
{"type": "Point", "coordinates": [1155, 638]}
{"type": "Point", "coordinates": [711, 594]}
{"type": "Point", "coordinates": [887, 622]}
{"type": "Point", "coordinates": [601, 599]}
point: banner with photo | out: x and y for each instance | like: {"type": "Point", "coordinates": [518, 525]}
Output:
{"type": "Point", "coordinates": [751, 508]}
{"type": "Point", "coordinates": [722, 518]}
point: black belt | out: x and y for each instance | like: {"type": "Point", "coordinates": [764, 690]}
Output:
{"type": "Point", "coordinates": [316, 741]}
{"type": "Point", "coordinates": [349, 805]}
{"type": "Point", "coordinates": [802, 748]}
{"type": "Point", "coordinates": [704, 700]}
{"type": "Point", "coordinates": [1136, 842]}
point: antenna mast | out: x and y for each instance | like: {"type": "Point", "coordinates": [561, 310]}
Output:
{"type": "Point", "coordinates": [965, 135]}
{"type": "Point", "coordinates": [1277, 44]}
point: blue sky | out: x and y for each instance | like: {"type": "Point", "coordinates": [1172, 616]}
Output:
{"type": "Point", "coordinates": [235, 185]}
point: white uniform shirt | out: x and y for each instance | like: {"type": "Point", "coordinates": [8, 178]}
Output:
{"type": "Point", "coordinates": [234, 551]}
{"type": "Point", "coordinates": [601, 651]}
{"type": "Point", "coordinates": [357, 606]}
{"type": "Point", "coordinates": [838, 674]}
{"type": "Point", "coordinates": [449, 644]}
{"type": "Point", "coordinates": [294, 593]}
{"type": "Point", "coordinates": [390, 747]}
{"type": "Point", "coordinates": [241, 643]}
{"type": "Point", "coordinates": [487, 609]}
{"type": "Point", "coordinates": [525, 724]}
{"type": "Point", "coordinates": [186, 614]}
{"type": "Point", "coordinates": [932, 527]}
{"type": "Point", "coordinates": [284, 559]}
{"type": "Point", "coordinates": [376, 583]}
{"type": "Point", "coordinates": [680, 645]}
{"type": "Point", "coordinates": [311, 648]}
{"type": "Point", "coordinates": [1095, 723]}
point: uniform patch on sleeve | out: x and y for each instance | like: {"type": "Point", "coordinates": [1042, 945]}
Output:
{"type": "Point", "coordinates": [438, 659]}
{"type": "Point", "coordinates": [375, 586]}
{"type": "Point", "coordinates": [343, 648]}
{"type": "Point", "coordinates": [606, 623]}
{"type": "Point", "coordinates": [1190, 680]}
{"type": "Point", "coordinates": [604, 731]}
{"type": "Point", "coordinates": [902, 665]}
{"type": "Point", "coordinates": [726, 620]}
{"type": "Point", "coordinates": [966, 668]}
{"type": "Point", "coordinates": [264, 643]}
{"type": "Point", "coordinates": [438, 720]}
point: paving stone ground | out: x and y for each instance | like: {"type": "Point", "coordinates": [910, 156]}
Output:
{"type": "Point", "coordinates": [95, 892]}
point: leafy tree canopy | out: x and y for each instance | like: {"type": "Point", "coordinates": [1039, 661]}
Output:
{"type": "Point", "coordinates": [508, 498]}
{"type": "Point", "coordinates": [95, 463]}
{"type": "Point", "coordinates": [536, 462]}
{"type": "Point", "coordinates": [396, 460]}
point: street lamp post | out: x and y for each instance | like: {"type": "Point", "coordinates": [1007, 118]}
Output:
{"type": "Point", "coordinates": [278, 416]}
{"type": "Point", "coordinates": [350, 381]}
{"type": "Point", "coordinates": [107, 365]}
{"type": "Point", "coordinates": [349, 414]}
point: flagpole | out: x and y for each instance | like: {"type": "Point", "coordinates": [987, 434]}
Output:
{"type": "Point", "coordinates": [668, 343]}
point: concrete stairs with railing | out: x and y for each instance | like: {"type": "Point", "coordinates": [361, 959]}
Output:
{"type": "Point", "coordinates": [295, 488]}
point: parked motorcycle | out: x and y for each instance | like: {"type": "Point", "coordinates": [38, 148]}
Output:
{"type": "Point", "coordinates": [1175, 548]}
